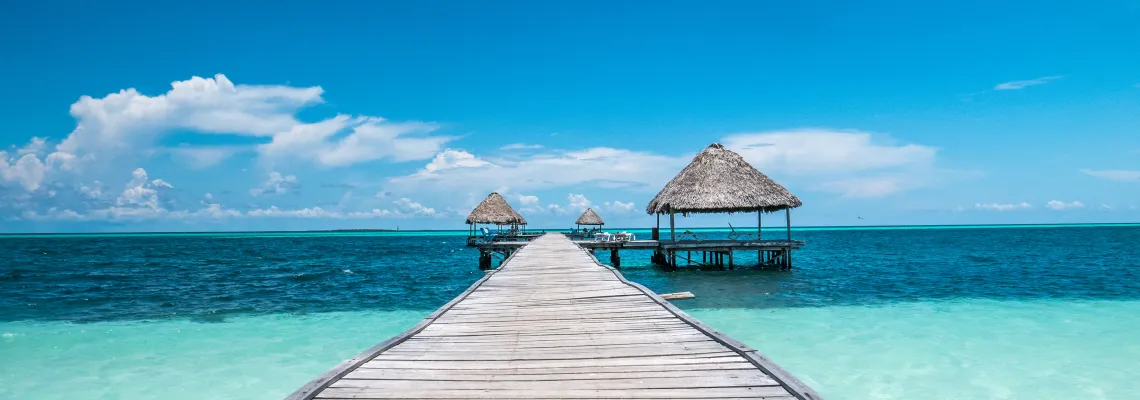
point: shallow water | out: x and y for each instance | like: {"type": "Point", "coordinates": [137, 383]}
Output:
{"type": "Point", "coordinates": [1041, 312]}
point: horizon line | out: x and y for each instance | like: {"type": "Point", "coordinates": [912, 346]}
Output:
{"type": "Point", "coordinates": [778, 228]}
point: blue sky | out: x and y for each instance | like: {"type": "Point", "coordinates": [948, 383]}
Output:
{"type": "Point", "coordinates": [286, 115]}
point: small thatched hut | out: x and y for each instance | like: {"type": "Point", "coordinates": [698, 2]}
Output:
{"type": "Point", "coordinates": [720, 181]}
{"type": "Point", "coordinates": [589, 218]}
{"type": "Point", "coordinates": [494, 210]}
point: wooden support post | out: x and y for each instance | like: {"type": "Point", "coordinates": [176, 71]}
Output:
{"type": "Point", "coordinates": [672, 229]}
{"type": "Point", "coordinates": [615, 258]}
{"type": "Point", "coordinates": [484, 259]}
{"type": "Point", "coordinates": [788, 214]}
{"type": "Point", "coordinates": [704, 257]}
{"type": "Point", "coordinates": [689, 257]}
{"type": "Point", "coordinates": [730, 262]}
{"type": "Point", "coordinates": [789, 258]}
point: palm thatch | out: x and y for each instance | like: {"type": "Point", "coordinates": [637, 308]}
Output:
{"type": "Point", "coordinates": [719, 180]}
{"type": "Point", "coordinates": [495, 210]}
{"type": "Point", "coordinates": [589, 217]}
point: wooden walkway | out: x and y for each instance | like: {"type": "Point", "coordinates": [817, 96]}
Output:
{"type": "Point", "coordinates": [554, 323]}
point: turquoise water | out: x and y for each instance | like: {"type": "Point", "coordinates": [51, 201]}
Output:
{"type": "Point", "coordinates": [1011, 313]}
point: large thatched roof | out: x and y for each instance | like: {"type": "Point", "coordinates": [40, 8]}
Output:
{"type": "Point", "coordinates": [719, 180]}
{"type": "Point", "coordinates": [495, 210]}
{"type": "Point", "coordinates": [589, 217]}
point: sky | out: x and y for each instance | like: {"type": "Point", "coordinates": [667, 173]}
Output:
{"type": "Point", "coordinates": [222, 116]}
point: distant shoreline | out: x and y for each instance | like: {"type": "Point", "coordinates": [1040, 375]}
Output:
{"type": "Point", "coordinates": [422, 231]}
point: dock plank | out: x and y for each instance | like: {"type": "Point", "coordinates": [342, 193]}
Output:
{"type": "Point", "coordinates": [552, 322]}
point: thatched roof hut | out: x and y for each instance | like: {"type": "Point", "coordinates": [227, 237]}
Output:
{"type": "Point", "coordinates": [589, 217]}
{"type": "Point", "coordinates": [495, 210]}
{"type": "Point", "coordinates": [717, 181]}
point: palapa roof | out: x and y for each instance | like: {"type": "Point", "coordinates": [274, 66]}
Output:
{"type": "Point", "coordinates": [719, 180]}
{"type": "Point", "coordinates": [495, 210]}
{"type": "Point", "coordinates": [589, 217]}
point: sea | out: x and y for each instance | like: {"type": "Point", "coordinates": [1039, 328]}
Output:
{"type": "Point", "coordinates": [997, 312]}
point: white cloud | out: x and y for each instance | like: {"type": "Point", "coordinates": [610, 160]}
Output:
{"type": "Point", "coordinates": [275, 184]}
{"type": "Point", "coordinates": [1003, 207]}
{"type": "Point", "coordinates": [128, 118]}
{"type": "Point", "coordinates": [1060, 205]}
{"type": "Point", "coordinates": [141, 192]}
{"type": "Point", "coordinates": [852, 163]}
{"type": "Point", "coordinates": [527, 201]}
{"type": "Point", "coordinates": [406, 205]}
{"type": "Point", "coordinates": [521, 146]}
{"type": "Point", "coordinates": [317, 212]}
{"type": "Point", "coordinates": [36, 145]}
{"type": "Point", "coordinates": [364, 139]}
{"type": "Point", "coordinates": [578, 202]}
{"type": "Point", "coordinates": [811, 151]}
{"type": "Point", "coordinates": [94, 191]}
{"type": "Point", "coordinates": [131, 122]}
{"type": "Point", "coordinates": [1114, 174]}
{"type": "Point", "coordinates": [208, 196]}
{"type": "Point", "coordinates": [619, 207]}
{"type": "Point", "coordinates": [556, 209]}
{"type": "Point", "coordinates": [27, 170]}
{"type": "Point", "coordinates": [205, 157]}
{"type": "Point", "coordinates": [273, 211]}
{"type": "Point", "coordinates": [451, 159]}
{"type": "Point", "coordinates": [215, 210]}
{"type": "Point", "coordinates": [454, 170]}
{"type": "Point", "coordinates": [1017, 85]}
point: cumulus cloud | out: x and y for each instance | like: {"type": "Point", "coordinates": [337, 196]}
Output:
{"type": "Point", "coordinates": [451, 159]}
{"type": "Point", "coordinates": [276, 183]}
{"type": "Point", "coordinates": [130, 123]}
{"type": "Point", "coordinates": [141, 192]}
{"type": "Point", "coordinates": [577, 202]}
{"type": "Point", "coordinates": [556, 209]}
{"type": "Point", "coordinates": [1060, 205]}
{"type": "Point", "coordinates": [526, 200]}
{"type": "Point", "coordinates": [1003, 207]}
{"type": "Point", "coordinates": [27, 170]}
{"type": "Point", "coordinates": [408, 206]}
{"type": "Point", "coordinates": [120, 121]}
{"type": "Point", "coordinates": [36, 145]}
{"type": "Point", "coordinates": [93, 191]}
{"type": "Point", "coordinates": [619, 207]}
{"type": "Point", "coordinates": [1018, 85]}
{"type": "Point", "coordinates": [1118, 175]}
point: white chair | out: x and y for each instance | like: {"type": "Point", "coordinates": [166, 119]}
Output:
{"type": "Point", "coordinates": [602, 237]}
{"type": "Point", "coordinates": [623, 236]}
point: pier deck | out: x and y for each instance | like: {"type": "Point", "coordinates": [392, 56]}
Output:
{"type": "Point", "coordinates": [554, 323]}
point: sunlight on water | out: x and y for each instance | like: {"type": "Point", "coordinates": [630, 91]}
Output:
{"type": "Point", "coordinates": [970, 349]}
{"type": "Point", "coordinates": [258, 357]}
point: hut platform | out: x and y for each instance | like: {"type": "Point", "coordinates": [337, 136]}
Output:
{"type": "Point", "coordinates": [675, 253]}
{"type": "Point", "coordinates": [551, 323]}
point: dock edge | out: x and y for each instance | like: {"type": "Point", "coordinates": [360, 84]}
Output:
{"type": "Point", "coordinates": [794, 386]}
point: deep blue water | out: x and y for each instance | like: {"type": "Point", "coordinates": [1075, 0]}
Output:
{"type": "Point", "coordinates": [208, 278]}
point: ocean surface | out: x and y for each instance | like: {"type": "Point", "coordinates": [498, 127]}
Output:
{"type": "Point", "coordinates": [1045, 312]}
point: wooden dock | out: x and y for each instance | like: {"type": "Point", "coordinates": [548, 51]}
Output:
{"type": "Point", "coordinates": [551, 323]}
{"type": "Point", "coordinates": [666, 252]}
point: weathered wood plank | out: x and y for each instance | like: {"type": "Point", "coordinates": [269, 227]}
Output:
{"type": "Point", "coordinates": [425, 392]}
{"type": "Point", "coordinates": [552, 322]}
